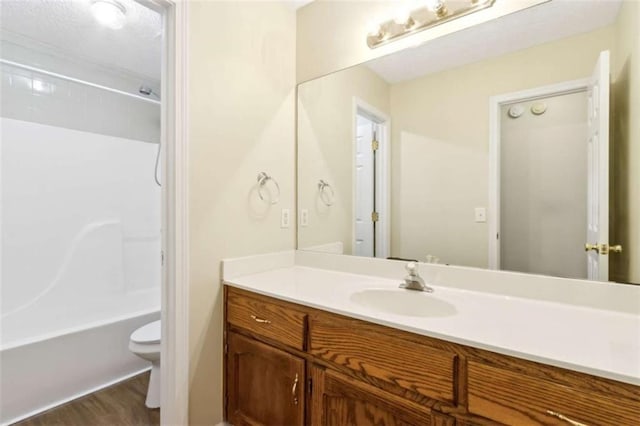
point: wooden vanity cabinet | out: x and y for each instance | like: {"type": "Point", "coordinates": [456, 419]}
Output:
{"type": "Point", "coordinates": [338, 400]}
{"type": "Point", "coordinates": [519, 392]}
{"type": "Point", "coordinates": [289, 365]}
{"type": "Point", "coordinates": [265, 385]}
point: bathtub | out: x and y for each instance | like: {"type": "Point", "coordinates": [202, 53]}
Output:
{"type": "Point", "coordinates": [80, 262]}
{"type": "Point", "coordinates": [57, 364]}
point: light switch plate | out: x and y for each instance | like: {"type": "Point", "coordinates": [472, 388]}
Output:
{"type": "Point", "coordinates": [285, 218]}
{"type": "Point", "coordinates": [481, 214]}
{"type": "Point", "coordinates": [304, 217]}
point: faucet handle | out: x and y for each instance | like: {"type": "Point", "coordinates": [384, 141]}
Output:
{"type": "Point", "coordinates": [412, 268]}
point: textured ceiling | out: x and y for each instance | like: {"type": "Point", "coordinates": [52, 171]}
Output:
{"type": "Point", "coordinates": [540, 24]}
{"type": "Point", "coordinates": [69, 28]}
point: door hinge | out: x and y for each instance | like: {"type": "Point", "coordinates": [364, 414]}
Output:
{"type": "Point", "coordinates": [375, 216]}
{"type": "Point", "coordinates": [309, 386]}
{"type": "Point", "coordinates": [375, 145]}
{"type": "Point", "coordinates": [161, 257]}
{"type": "Point", "coordinates": [226, 348]}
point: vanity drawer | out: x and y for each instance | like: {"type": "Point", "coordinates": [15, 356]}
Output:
{"type": "Point", "coordinates": [266, 318]}
{"type": "Point", "coordinates": [512, 397]}
{"type": "Point", "coordinates": [390, 359]}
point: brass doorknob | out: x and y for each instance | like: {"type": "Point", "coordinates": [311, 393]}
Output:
{"type": "Point", "coordinates": [603, 249]}
{"type": "Point", "coordinates": [616, 249]}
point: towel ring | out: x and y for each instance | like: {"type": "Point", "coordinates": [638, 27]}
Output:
{"type": "Point", "coordinates": [263, 178]}
{"type": "Point", "coordinates": [327, 194]}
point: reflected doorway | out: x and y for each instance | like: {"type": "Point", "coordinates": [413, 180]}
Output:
{"type": "Point", "coordinates": [371, 185]}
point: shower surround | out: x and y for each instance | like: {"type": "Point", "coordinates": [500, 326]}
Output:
{"type": "Point", "coordinates": [80, 261]}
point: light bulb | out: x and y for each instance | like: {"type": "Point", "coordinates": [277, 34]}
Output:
{"type": "Point", "coordinates": [434, 5]}
{"type": "Point", "coordinates": [109, 13]}
{"type": "Point", "coordinates": [438, 7]}
{"type": "Point", "coordinates": [374, 29]}
{"type": "Point", "coordinates": [402, 17]}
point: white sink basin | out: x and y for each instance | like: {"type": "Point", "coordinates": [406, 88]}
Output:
{"type": "Point", "coordinates": [403, 302]}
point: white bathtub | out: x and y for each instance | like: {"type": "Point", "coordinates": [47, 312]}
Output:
{"type": "Point", "coordinates": [49, 369]}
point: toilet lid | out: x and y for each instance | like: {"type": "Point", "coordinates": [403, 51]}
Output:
{"type": "Point", "coordinates": [149, 333]}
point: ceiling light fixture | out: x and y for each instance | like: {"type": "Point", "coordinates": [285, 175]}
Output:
{"type": "Point", "coordinates": [434, 12]}
{"type": "Point", "coordinates": [109, 13]}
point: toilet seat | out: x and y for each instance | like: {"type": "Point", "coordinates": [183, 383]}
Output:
{"type": "Point", "coordinates": [148, 334]}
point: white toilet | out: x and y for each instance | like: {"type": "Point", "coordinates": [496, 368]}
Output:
{"type": "Point", "coordinates": [145, 342]}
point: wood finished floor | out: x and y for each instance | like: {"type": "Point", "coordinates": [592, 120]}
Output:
{"type": "Point", "coordinates": [119, 405]}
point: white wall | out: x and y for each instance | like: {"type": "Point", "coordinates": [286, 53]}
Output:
{"type": "Point", "coordinates": [36, 97]}
{"type": "Point", "coordinates": [543, 189]}
{"type": "Point", "coordinates": [40, 54]}
{"type": "Point", "coordinates": [242, 121]}
{"type": "Point", "coordinates": [326, 150]}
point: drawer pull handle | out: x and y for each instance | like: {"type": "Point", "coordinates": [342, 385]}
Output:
{"type": "Point", "coordinates": [565, 418]}
{"type": "Point", "coordinates": [260, 320]}
{"type": "Point", "coordinates": [294, 389]}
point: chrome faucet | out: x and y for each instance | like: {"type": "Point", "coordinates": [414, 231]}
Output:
{"type": "Point", "coordinates": [414, 281]}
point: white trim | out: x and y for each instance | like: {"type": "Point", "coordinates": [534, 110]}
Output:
{"type": "Point", "coordinates": [41, 410]}
{"type": "Point", "coordinates": [174, 393]}
{"type": "Point", "coordinates": [495, 103]}
{"type": "Point", "coordinates": [383, 173]}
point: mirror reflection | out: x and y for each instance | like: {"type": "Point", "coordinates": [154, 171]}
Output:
{"type": "Point", "coordinates": [511, 145]}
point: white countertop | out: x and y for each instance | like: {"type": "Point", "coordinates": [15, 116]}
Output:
{"type": "Point", "coordinates": [600, 342]}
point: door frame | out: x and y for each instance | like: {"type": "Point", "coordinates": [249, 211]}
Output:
{"type": "Point", "coordinates": [383, 172]}
{"type": "Point", "coordinates": [495, 104]}
{"type": "Point", "coordinates": [174, 348]}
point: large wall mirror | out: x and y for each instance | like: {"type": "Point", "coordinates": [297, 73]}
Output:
{"type": "Point", "coordinates": [511, 145]}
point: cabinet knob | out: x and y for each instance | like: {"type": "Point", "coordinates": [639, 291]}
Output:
{"type": "Point", "coordinates": [260, 320]}
{"type": "Point", "coordinates": [565, 418]}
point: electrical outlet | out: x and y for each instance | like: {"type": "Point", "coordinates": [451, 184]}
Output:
{"type": "Point", "coordinates": [304, 217]}
{"type": "Point", "coordinates": [481, 214]}
{"type": "Point", "coordinates": [285, 218]}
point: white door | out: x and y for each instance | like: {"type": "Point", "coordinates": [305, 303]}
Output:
{"type": "Point", "coordinates": [598, 169]}
{"type": "Point", "coordinates": [364, 188]}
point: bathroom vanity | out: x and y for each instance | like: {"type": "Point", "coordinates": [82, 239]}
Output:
{"type": "Point", "coordinates": [342, 356]}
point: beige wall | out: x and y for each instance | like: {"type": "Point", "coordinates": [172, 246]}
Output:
{"type": "Point", "coordinates": [325, 150]}
{"type": "Point", "coordinates": [453, 119]}
{"type": "Point", "coordinates": [242, 78]}
{"type": "Point", "coordinates": [625, 158]}
{"type": "Point", "coordinates": [332, 34]}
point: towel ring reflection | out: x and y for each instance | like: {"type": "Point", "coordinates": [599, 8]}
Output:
{"type": "Point", "coordinates": [327, 194]}
{"type": "Point", "coordinates": [263, 178]}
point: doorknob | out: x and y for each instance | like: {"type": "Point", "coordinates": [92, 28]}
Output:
{"type": "Point", "coordinates": [606, 249]}
{"type": "Point", "coordinates": [594, 247]}
{"type": "Point", "coordinates": [603, 249]}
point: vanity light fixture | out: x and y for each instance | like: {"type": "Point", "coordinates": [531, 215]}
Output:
{"type": "Point", "coordinates": [435, 12]}
{"type": "Point", "coordinates": [109, 13]}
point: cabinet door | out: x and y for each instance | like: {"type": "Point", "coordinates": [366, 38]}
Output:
{"type": "Point", "coordinates": [265, 386]}
{"type": "Point", "coordinates": [337, 400]}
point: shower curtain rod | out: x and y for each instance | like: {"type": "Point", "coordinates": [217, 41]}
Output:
{"type": "Point", "coordinates": [75, 80]}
